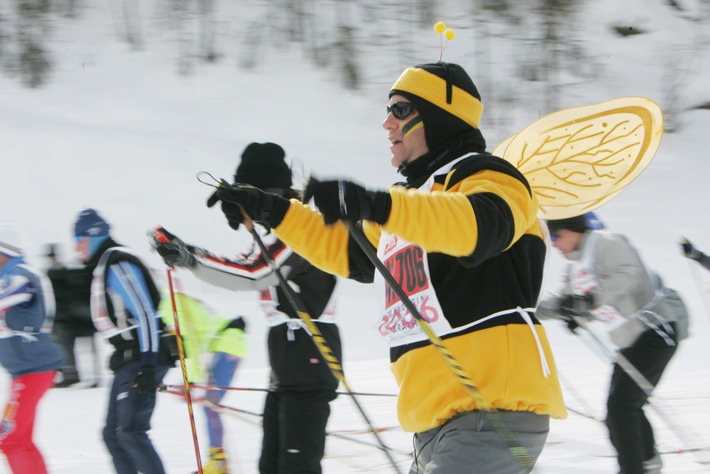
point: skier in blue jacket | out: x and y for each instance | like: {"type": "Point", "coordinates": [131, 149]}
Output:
{"type": "Point", "coordinates": [26, 351]}
{"type": "Point", "coordinates": [124, 302]}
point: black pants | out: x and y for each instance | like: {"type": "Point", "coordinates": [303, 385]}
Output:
{"type": "Point", "coordinates": [294, 432]}
{"type": "Point", "coordinates": [629, 430]}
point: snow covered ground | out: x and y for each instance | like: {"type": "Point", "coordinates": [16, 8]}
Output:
{"type": "Point", "coordinates": [70, 420]}
{"type": "Point", "coordinates": [119, 131]}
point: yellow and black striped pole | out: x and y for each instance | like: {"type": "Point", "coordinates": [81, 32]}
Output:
{"type": "Point", "coordinates": [333, 363]}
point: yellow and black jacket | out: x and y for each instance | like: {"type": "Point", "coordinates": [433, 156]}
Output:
{"type": "Point", "coordinates": [477, 222]}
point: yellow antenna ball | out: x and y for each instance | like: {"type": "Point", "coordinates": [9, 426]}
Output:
{"type": "Point", "coordinates": [439, 27]}
{"type": "Point", "coordinates": [450, 34]}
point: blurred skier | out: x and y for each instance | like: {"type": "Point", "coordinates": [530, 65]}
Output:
{"type": "Point", "coordinates": [297, 405]}
{"type": "Point", "coordinates": [124, 302]}
{"type": "Point", "coordinates": [26, 351]}
{"type": "Point", "coordinates": [606, 281]}
{"type": "Point", "coordinates": [72, 293]}
{"type": "Point", "coordinates": [223, 342]}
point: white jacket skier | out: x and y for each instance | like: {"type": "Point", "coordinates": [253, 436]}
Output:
{"type": "Point", "coordinates": [608, 283]}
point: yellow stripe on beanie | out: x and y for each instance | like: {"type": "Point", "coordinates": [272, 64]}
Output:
{"type": "Point", "coordinates": [432, 88]}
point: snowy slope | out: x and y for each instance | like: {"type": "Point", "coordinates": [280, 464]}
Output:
{"type": "Point", "coordinates": [118, 130]}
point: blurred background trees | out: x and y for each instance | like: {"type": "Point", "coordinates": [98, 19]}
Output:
{"type": "Point", "coordinates": [338, 36]}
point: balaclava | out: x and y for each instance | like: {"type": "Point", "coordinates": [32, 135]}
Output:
{"type": "Point", "coordinates": [445, 97]}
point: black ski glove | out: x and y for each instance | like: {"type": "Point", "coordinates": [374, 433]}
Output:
{"type": "Point", "coordinates": [145, 380]}
{"type": "Point", "coordinates": [575, 305]}
{"type": "Point", "coordinates": [265, 208]}
{"type": "Point", "coordinates": [689, 251]}
{"type": "Point", "coordinates": [174, 251]}
{"type": "Point", "coordinates": [345, 200]}
{"type": "Point", "coordinates": [572, 307]}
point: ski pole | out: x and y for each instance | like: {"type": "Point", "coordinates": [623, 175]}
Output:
{"type": "Point", "coordinates": [181, 352]}
{"type": "Point", "coordinates": [699, 283]}
{"type": "Point", "coordinates": [255, 389]}
{"type": "Point", "coordinates": [581, 399]}
{"type": "Point", "coordinates": [647, 387]}
{"type": "Point", "coordinates": [320, 342]}
{"type": "Point", "coordinates": [345, 435]}
{"type": "Point", "coordinates": [519, 452]}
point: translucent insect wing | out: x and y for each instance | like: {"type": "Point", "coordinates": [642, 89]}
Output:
{"type": "Point", "coordinates": [580, 158]}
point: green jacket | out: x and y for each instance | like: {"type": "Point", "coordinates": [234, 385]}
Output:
{"type": "Point", "coordinates": [202, 331]}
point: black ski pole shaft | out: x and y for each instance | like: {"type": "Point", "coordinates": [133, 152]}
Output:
{"type": "Point", "coordinates": [702, 291]}
{"type": "Point", "coordinates": [519, 452]}
{"type": "Point", "coordinates": [330, 358]}
{"type": "Point", "coordinates": [582, 400]}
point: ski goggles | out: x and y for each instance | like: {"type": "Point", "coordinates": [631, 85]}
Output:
{"type": "Point", "coordinates": [401, 110]}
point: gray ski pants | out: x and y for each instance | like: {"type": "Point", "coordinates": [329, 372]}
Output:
{"type": "Point", "coordinates": [468, 443]}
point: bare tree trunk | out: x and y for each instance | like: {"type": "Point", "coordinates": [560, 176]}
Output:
{"type": "Point", "coordinates": [315, 33]}
{"type": "Point", "coordinates": [69, 8]}
{"type": "Point", "coordinates": [345, 48]}
{"type": "Point", "coordinates": [426, 12]}
{"type": "Point", "coordinates": [132, 23]}
{"type": "Point", "coordinates": [681, 67]}
{"type": "Point", "coordinates": [208, 23]}
{"type": "Point", "coordinates": [294, 19]}
{"type": "Point", "coordinates": [550, 42]}
{"type": "Point", "coordinates": [185, 65]}
{"type": "Point", "coordinates": [32, 31]}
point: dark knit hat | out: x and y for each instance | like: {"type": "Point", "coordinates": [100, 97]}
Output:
{"type": "Point", "coordinates": [91, 224]}
{"type": "Point", "coordinates": [445, 97]}
{"type": "Point", "coordinates": [263, 166]}
{"type": "Point", "coordinates": [579, 224]}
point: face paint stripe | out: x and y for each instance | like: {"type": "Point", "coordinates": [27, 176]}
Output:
{"type": "Point", "coordinates": [412, 125]}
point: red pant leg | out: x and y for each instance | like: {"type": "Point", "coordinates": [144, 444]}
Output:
{"type": "Point", "coordinates": [18, 422]}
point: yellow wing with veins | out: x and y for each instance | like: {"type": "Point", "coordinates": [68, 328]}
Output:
{"type": "Point", "coordinates": [579, 158]}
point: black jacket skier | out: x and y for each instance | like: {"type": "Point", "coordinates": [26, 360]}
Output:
{"type": "Point", "coordinates": [301, 385]}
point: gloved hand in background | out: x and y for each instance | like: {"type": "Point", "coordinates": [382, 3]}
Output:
{"type": "Point", "coordinates": [572, 307]}
{"type": "Point", "coordinates": [689, 251]}
{"type": "Point", "coordinates": [265, 208]}
{"type": "Point", "coordinates": [145, 380]}
{"type": "Point", "coordinates": [174, 251]}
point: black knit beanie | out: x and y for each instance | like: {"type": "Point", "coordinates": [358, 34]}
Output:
{"type": "Point", "coordinates": [575, 224]}
{"type": "Point", "coordinates": [263, 166]}
{"type": "Point", "coordinates": [445, 97]}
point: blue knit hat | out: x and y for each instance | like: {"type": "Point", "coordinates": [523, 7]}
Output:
{"type": "Point", "coordinates": [91, 224]}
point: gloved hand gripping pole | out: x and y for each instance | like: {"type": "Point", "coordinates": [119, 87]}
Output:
{"type": "Point", "coordinates": [320, 342]}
